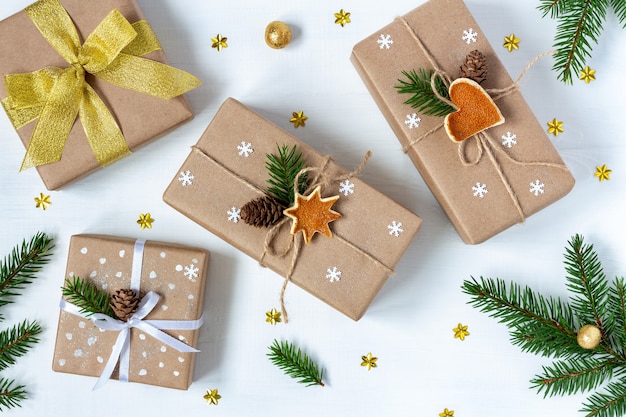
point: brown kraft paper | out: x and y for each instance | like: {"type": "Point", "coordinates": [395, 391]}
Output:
{"type": "Point", "coordinates": [141, 117]}
{"type": "Point", "coordinates": [177, 273]}
{"type": "Point", "coordinates": [226, 169]}
{"type": "Point", "coordinates": [482, 196]}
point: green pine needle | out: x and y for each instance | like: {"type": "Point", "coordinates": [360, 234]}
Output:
{"type": "Point", "coordinates": [16, 341]}
{"type": "Point", "coordinates": [87, 296]}
{"type": "Point", "coordinates": [295, 363]}
{"type": "Point", "coordinates": [11, 396]}
{"type": "Point", "coordinates": [20, 266]}
{"type": "Point", "coordinates": [579, 25]}
{"type": "Point", "coordinates": [423, 98]}
{"type": "Point", "coordinates": [282, 171]}
{"type": "Point", "coordinates": [546, 326]}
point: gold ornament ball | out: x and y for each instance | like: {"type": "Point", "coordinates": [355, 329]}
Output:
{"type": "Point", "coordinates": [588, 337]}
{"type": "Point", "coordinates": [277, 35]}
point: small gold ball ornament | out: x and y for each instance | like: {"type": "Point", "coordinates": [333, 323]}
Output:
{"type": "Point", "coordinates": [277, 35]}
{"type": "Point", "coordinates": [588, 336]}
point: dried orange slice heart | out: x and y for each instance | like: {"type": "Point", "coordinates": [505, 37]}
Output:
{"type": "Point", "coordinates": [476, 110]}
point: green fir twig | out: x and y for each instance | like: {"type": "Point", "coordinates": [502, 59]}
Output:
{"type": "Point", "coordinates": [546, 326]}
{"type": "Point", "coordinates": [16, 341]}
{"type": "Point", "coordinates": [282, 171]}
{"type": "Point", "coordinates": [295, 363]}
{"type": "Point", "coordinates": [87, 296]}
{"type": "Point", "coordinates": [579, 25]}
{"type": "Point", "coordinates": [11, 395]}
{"type": "Point", "coordinates": [420, 85]}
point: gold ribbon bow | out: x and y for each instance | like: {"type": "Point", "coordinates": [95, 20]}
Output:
{"type": "Point", "coordinates": [56, 96]}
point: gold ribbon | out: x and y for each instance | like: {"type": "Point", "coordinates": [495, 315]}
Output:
{"type": "Point", "coordinates": [56, 96]}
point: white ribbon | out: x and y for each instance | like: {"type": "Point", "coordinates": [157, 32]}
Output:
{"type": "Point", "coordinates": [121, 348]}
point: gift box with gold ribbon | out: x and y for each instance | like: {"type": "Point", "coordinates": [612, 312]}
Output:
{"type": "Point", "coordinates": [339, 239]}
{"type": "Point", "coordinates": [85, 84]}
{"type": "Point", "coordinates": [467, 128]}
{"type": "Point", "coordinates": [154, 342]}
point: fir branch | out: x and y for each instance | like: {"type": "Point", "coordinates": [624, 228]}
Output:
{"type": "Point", "coordinates": [295, 363]}
{"type": "Point", "coordinates": [11, 396]}
{"type": "Point", "coordinates": [617, 305]}
{"type": "Point", "coordinates": [420, 86]}
{"type": "Point", "coordinates": [282, 171]}
{"type": "Point", "coordinates": [574, 375]}
{"type": "Point", "coordinates": [619, 7]}
{"type": "Point", "coordinates": [587, 282]}
{"type": "Point", "coordinates": [87, 296]}
{"type": "Point", "coordinates": [19, 267]}
{"type": "Point", "coordinates": [610, 403]}
{"type": "Point", "coordinates": [16, 341]}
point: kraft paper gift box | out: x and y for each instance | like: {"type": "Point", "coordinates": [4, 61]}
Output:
{"type": "Point", "coordinates": [175, 272]}
{"type": "Point", "coordinates": [226, 169]}
{"type": "Point", "coordinates": [488, 182]}
{"type": "Point", "coordinates": [141, 117]}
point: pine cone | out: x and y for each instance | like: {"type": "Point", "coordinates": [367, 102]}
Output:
{"type": "Point", "coordinates": [262, 212]}
{"type": "Point", "coordinates": [124, 303]}
{"type": "Point", "coordinates": [474, 67]}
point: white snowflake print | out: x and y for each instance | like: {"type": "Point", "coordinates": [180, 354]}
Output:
{"type": "Point", "coordinates": [508, 140]}
{"type": "Point", "coordinates": [186, 178]}
{"type": "Point", "coordinates": [395, 228]}
{"type": "Point", "coordinates": [412, 120]}
{"type": "Point", "coordinates": [536, 187]}
{"type": "Point", "coordinates": [333, 274]}
{"type": "Point", "coordinates": [234, 214]}
{"type": "Point", "coordinates": [469, 36]}
{"type": "Point", "coordinates": [245, 149]}
{"type": "Point", "coordinates": [384, 41]}
{"type": "Point", "coordinates": [480, 190]}
{"type": "Point", "coordinates": [191, 271]}
{"type": "Point", "coordinates": [346, 187]}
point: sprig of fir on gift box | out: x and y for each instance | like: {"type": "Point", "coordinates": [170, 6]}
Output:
{"type": "Point", "coordinates": [90, 299]}
{"type": "Point", "coordinates": [579, 25]}
{"type": "Point", "coordinates": [18, 269]}
{"type": "Point", "coordinates": [586, 336]}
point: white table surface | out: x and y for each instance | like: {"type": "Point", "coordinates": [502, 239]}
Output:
{"type": "Point", "coordinates": [422, 368]}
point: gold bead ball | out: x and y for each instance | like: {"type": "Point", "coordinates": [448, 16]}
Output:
{"type": "Point", "coordinates": [588, 337]}
{"type": "Point", "coordinates": [277, 35]}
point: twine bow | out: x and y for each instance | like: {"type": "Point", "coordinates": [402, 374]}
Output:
{"type": "Point", "coordinates": [56, 96]}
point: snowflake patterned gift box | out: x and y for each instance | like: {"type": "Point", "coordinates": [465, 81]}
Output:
{"type": "Point", "coordinates": [175, 272]}
{"type": "Point", "coordinates": [492, 180]}
{"type": "Point", "coordinates": [227, 169]}
{"type": "Point", "coordinates": [85, 84]}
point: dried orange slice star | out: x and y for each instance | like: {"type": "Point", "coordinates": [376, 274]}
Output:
{"type": "Point", "coordinates": [311, 214]}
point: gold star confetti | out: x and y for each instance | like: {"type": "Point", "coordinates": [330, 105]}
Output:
{"type": "Point", "coordinates": [511, 42]}
{"type": "Point", "coordinates": [587, 75]}
{"type": "Point", "coordinates": [219, 42]}
{"type": "Point", "coordinates": [369, 361]}
{"type": "Point", "coordinates": [342, 18]}
{"type": "Point", "coordinates": [273, 317]}
{"type": "Point", "coordinates": [212, 397]}
{"type": "Point", "coordinates": [555, 127]}
{"type": "Point", "coordinates": [603, 173]}
{"type": "Point", "coordinates": [43, 201]}
{"type": "Point", "coordinates": [460, 332]}
{"type": "Point", "coordinates": [145, 221]}
{"type": "Point", "coordinates": [298, 119]}
{"type": "Point", "coordinates": [446, 413]}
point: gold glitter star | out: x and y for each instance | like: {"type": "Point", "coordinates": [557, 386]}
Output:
{"type": "Point", "coordinates": [43, 201]}
{"type": "Point", "coordinates": [511, 42]}
{"type": "Point", "coordinates": [460, 332]}
{"type": "Point", "coordinates": [603, 173]}
{"type": "Point", "coordinates": [555, 127]}
{"type": "Point", "coordinates": [369, 361]}
{"type": "Point", "coordinates": [587, 74]}
{"type": "Point", "coordinates": [446, 413]}
{"type": "Point", "coordinates": [219, 42]}
{"type": "Point", "coordinates": [145, 221]}
{"type": "Point", "coordinates": [342, 18]}
{"type": "Point", "coordinates": [212, 397]}
{"type": "Point", "coordinates": [298, 119]}
{"type": "Point", "coordinates": [273, 317]}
